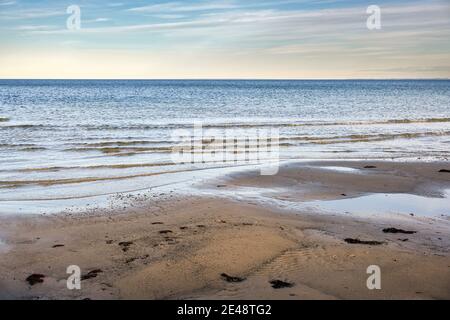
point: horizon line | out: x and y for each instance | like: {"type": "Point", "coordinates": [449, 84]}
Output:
{"type": "Point", "coordinates": [218, 79]}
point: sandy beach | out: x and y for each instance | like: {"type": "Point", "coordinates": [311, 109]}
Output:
{"type": "Point", "coordinates": [233, 246]}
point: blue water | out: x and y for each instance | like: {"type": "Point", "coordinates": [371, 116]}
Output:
{"type": "Point", "coordinates": [60, 138]}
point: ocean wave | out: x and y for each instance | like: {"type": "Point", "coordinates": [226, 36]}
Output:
{"type": "Point", "coordinates": [27, 126]}
{"type": "Point", "coordinates": [238, 143]}
{"type": "Point", "coordinates": [246, 144]}
{"type": "Point", "coordinates": [22, 146]}
{"type": "Point", "coordinates": [377, 137]}
{"type": "Point", "coordinates": [325, 123]}
{"type": "Point", "coordinates": [223, 125]}
{"type": "Point", "coordinates": [78, 180]}
{"type": "Point", "coordinates": [18, 145]}
{"type": "Point", "coordinates": [120, 150]}
{"type": "Point", "coordinates": [112, 127]}
{"type": "Point", "coordinates": [120, 143]}
{"type": "Point", "coordinates": [93, 167]}
{"type": "Point", "coordinates": [31, 149]}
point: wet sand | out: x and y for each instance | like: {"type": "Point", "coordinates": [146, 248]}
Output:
{"type": "Point", "coordinates": [233, 247]}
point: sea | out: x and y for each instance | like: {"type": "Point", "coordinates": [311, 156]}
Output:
{"type": "Point", "coordinates": [69, 139]}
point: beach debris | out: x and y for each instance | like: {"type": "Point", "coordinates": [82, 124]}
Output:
{"type": "Point", "coordinates": [358, 241]}
{"type": "Point", "coordinates": [58, 246]}
{"type": "Point", "coordinates": [343, 194]}
{"type": "Point", "coordinates": [370, 167]}
{"type": "Point", "coordinates": [165, 231]}
{"type": "Point", "coordinates": [444, 170]}
{"type": "Point", "coordinates": [221, 186]}
{"type": "Point", "coordinates": [183, 228]}
{"type": "Point", "coordinates": [201, 226]}
{"type": "Point", "coordinates": [35, 278]}
{"type": "Point", "coordinates": [403, 240]}
{"type": "Point", "coordinates": [130, 260]}
{"type": "Point", "coordinates": [279, 284]}
{"type": "Point", "coordinates": [125, 245]}
{"type": "Point", "coordinates": [91, 274]}
{"type": "Point", "coordinates": [395, 230]}
{"type": "Point", "coordinates": [109, 241]}
{"type": "Point", "coordinates": [170, 240]}
{"type": "Point", "coordinates": [137, 258]}
{"type": "Point", "coordinates": [157, 222]}
{"type": "Point", "coordinates": [229, 278]}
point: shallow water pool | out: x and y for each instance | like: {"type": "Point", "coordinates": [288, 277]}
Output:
{"type": "Point", "coordinates": [388, 203]}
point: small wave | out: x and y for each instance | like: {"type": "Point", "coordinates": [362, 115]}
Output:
{"type": "Point", "coordinates": [30, 149]}
{"type": "Point", "coordinates": [119, 150]}
{"type": "Point", "coordinates": [13, 145]}
{"type": "Point", "coordinates": [121, 143]}
{"type": "Point", "coordinates": [380, 122]}
{"type": "Point", "coordinates": [420, 120]}
{"type": "Point", "coordinates": [51, 182]}
{"type": "Point", "coordinates": [225, 125]}
{"type": "Point", "coordinates": [110, 127]}
{"type": "Point", "coordinates": [256, 124]}
{"type": "Point", "coordinates": [344, 138]}
{"type": "Point", "coordinates": [25, 126]}
{"type": "Point", "coordinates": [324, 123]}
{"type": "Point", "coordinates": [94, 167]}
{"type": "Point", "coordinates": [122, 151]}
{"type": "Point", "coordinates": [376, 137]}
{"type": "Point", "coordinates": [244, 143]}
{"type": "Point", "coordinates": [390, 121]}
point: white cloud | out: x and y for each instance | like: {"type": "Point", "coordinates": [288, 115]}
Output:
{"type": "Point", "coordinates": [169, 16]}
{"type": "Point", "coordinates": [183, 7]}
{"type": "Point", "coordinates": [31, 14]}
{"type": "Point", "coordinates": [99, 20]}
{"type": "Point", "coordinates": [7, 3]}
{"type": "Point", "coordinates": [34, 27]}
{"type": "Point", "coordinates": [115, 4]}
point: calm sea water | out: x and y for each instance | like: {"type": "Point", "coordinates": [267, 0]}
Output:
{"type": "Point", "coordinates": [63, 139]}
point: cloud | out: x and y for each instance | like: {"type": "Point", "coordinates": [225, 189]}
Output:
{"type": "Point", "coordinates": [7, 3]}
{"type": "Point", "coordinates": [294, 24]}
{"type": "Point", "coordinates": [31, 14]}
{"type": "Point", "coordinates": [215, 6]}
{"type": "Point", "coordinates": [183, 7]}
{"type": "Point", "coordinates": [34, 27]}
{"type": "Point", "coordinates": [272, 37]}
{"type": "Point", "coordinates": [98, 20]}
{"type": "Point", "coordinates": [169, 16]}
{"type": "Point", "coordinates": [116, 4]}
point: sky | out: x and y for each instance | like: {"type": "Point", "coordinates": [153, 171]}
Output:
{"type": "Point", "coordinates": [224, 39]}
